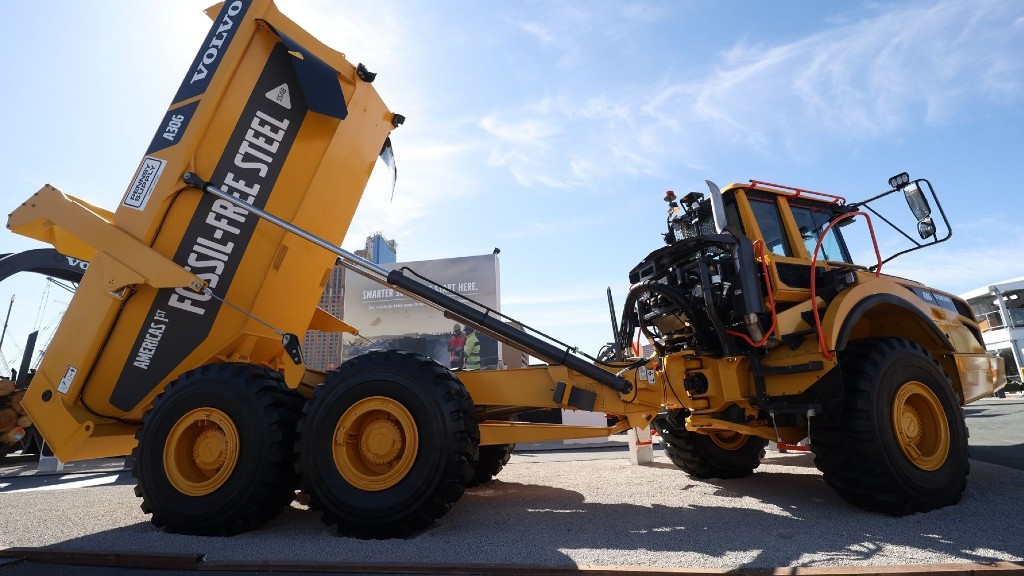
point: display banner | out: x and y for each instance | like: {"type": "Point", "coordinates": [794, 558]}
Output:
{"type": "Point", "coordinates": [387, 319]}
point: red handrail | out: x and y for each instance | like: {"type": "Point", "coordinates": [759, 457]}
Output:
{"type": "Point", "coordinates": [814, 262]}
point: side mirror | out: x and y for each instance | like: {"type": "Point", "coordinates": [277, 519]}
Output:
{"type": "Point", "coordinates": [918, 203]}
{"type": "Point", "coordinates": [926, 228]}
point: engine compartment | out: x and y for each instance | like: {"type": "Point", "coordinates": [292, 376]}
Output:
{"type": "Point", "coordinates": [689, 294]}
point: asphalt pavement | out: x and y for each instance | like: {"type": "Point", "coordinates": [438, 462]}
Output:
{"type": "Point", "coordinates": [568, 510]}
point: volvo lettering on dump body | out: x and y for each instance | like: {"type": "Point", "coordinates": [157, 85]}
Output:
{"type": "Point", "coordinates": [213, 50]}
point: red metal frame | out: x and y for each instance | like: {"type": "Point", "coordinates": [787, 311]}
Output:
{"type": "Point", "coordinates": [798, 192]}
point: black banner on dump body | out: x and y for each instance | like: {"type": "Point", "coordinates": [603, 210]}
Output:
{"type": "Point", "coordinates": [219, 232]}
{"type": "Point", "coordinates": [204, 67]}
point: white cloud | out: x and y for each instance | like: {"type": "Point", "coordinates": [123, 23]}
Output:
{"type": "Point", "coordinates": [523, 132]}
{"type": "Point", "coordinates": [858, 81]}
{"type": "Point", "coordinates": [430, 180]}
{"type": "Point", "coordinates": [538, 31]}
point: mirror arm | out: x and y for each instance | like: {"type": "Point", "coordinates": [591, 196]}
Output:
{"type": "Point", "coordinates": [858, 205]}
{"type": "Point", "coordinates": [894, 227]}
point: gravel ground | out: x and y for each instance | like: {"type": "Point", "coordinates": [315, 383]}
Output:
{"type": "Point", "coordinates": [593, 512]}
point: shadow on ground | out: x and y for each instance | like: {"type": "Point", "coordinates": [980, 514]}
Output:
{"type": "Point", "coordinates": [782, 516]}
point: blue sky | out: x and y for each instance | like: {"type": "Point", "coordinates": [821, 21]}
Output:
{"type": "Point", "coordinates": [552, 129]}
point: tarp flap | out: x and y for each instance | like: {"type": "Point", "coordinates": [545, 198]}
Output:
{"type": "Point", "coordinates": [318, 79]}
{"type": "Point", "coordinates": [387, 154]}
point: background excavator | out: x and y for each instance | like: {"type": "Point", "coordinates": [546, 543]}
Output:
{"type": "Point", "coordinates": [16, 431]}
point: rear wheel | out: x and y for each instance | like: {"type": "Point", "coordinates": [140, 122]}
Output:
{"type": "Point", "coordinates": [717, 455]}
{"type": "Point", "coordinates": [900, 445]}
{"type": "Point", "coordinates": [387, 444]}
{"type": "Point", "coordinates": [215, 452]}
{"type": "Point", "coordinates": [492, 459]}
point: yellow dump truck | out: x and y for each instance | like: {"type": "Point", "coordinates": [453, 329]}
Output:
{"type": "Point", "coordinates": [181, 344]}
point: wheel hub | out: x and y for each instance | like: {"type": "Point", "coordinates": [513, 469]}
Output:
{"type": "Point", "coordinates": [211, 449]}
{"type": "Point", "coordinates": [376, 441]}
{"type": "Point", "coordinates": [911, 425]}
{"type": "Point", "coordinates": [201, 451]}
{"type": "Point", "coordinates": [920, 425]}
{"type": "Point", "coordinates": [381, 441]}
{"type": "Point", "coordinates": [728, 440]}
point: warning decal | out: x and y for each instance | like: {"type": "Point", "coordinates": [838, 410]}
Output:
{"type": "Point", "coordinates": [281, 96]}
{"type": "Point", "coordinates": [67, 380]}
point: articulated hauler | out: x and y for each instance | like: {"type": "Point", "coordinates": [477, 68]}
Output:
{"type": "Point", "coordinates": [181, 344]}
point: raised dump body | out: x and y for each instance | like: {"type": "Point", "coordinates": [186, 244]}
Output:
{"type": "Point", "coordinates": [179, 278]}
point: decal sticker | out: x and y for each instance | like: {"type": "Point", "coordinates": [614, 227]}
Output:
{"type": "Point", "coordinates": [280, 95]}
{"type": "Point", "coordinates": [935, 298]}
{"type": "Point", "coordinates": [67, 380]}
{"type": "Point", "coordinates": [145, 181]}
{"type": "Point", "coordinates": [172, 129]}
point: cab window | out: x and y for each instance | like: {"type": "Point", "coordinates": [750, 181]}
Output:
{"type": "Point", "coordinates": [811, 220]}
{"type": "Point", "coordinates": [732, 215]}
{"type": "Point", "coordinates": [774, 234]}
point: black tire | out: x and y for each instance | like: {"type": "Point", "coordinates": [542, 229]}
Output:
{"type": "Point", "coordinates": [726, 455]}
{"type": "Point", "coordinates": [492, 459]}
{"type": "Point", "coordinates": [411, 445]}
{"type": "Point", "coordinates": [227, 499]}
{"type": "Point", "coordinates": [866, 460]}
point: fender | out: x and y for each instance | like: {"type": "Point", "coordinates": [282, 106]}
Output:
{"type": "Point", "coordinates": [871, 302]}
{"type": "Point", "coordinates": [844, 314]}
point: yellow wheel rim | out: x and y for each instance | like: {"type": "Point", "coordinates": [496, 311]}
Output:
{"type": "Point", "coordinates": [919, 421]}
{"type": "Point", "coordinates": [729, 440]}
{"type": "Point", "coordinates": [375, 443]}
{"type": "Point", "coordinates": [201, 451]}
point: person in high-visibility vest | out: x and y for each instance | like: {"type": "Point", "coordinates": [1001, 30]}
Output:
{"type": "Point", "coordinates": [455, 345]}
{"type": "Point", "coordinates": [471, 350]}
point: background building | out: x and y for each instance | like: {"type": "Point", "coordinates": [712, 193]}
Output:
{"type": "Point", "coordinates": [999, 309]}
{"type": "Point", "coordinates": [379, 249]}
{"type": "Point", "coordinates": [323, 350]}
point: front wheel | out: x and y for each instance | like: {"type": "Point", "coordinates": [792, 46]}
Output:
{"type": "Point", "coordinates": [715, 455]}
{"type": "Point", "coordinates": [387, 444]}
{"type": "Point", "coordinates": [900, 445]}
